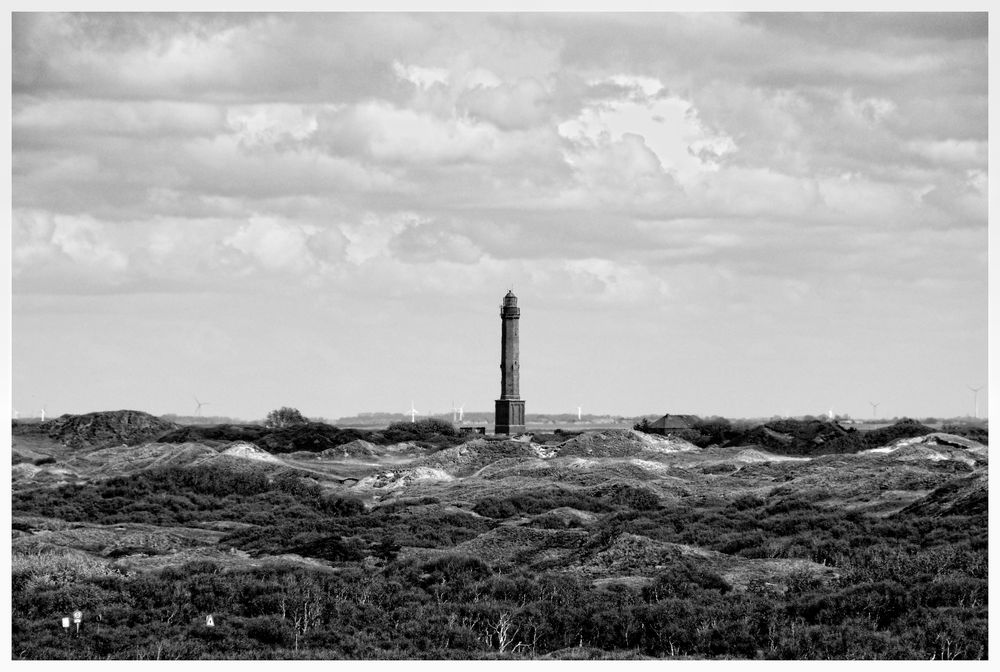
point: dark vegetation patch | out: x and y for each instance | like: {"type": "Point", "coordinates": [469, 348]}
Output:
{"type": "Point", "coordinates": [626, 495]}
{"type": "Point", "coordinates": [909, 587]}
{"type": "Point", "coordinates": [719, 468]}
{"type": "Point", "coordinates": [807, 437]}
{"type": "Point", "coordinates": [555, 437]}
{"type": "Point", "coordinates": [361, 531]}
{"type": "Point", "coordinates": [967, 496]}
{"type": "Point", "coordinates": [214, 434]}
{"type": "Point", "coordinates": [904, 429]}
{"type": "Point", "coordinates": [821, 437]}
{"type": "Point", "coordinates": [315, 437]}
{"type": "Point", "coordinates": [98, 430]}
{"type": "Point", "coordinates": [430, 431]}
{"type": "Point", "coordinates": [555, 521]}
{"type": "Point", "coordinates": [179, 495]}
{"type": "Point", "coordinates": [30, 428]}
{"type": "Point", "coordinates": [913, 585]}
{"type": "Point", "coordinates": [38, 461]}
{"type": "Point", "coordinates": [601, 499]}
{"type": "Point", "coordinates": [403, 503]}
{"type": "Point", "coordinates": [974, 432]}
{"type": "Point", "coordinates": [530, 502]}
{"type": "Point", "coordinates": [123, 551]}
{"type": "Point", "coordinates": [286, 514]}
{"type": "Point", "coordinates": [793, 526]}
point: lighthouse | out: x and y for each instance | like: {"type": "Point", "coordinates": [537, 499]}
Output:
{"type": "Point", "coordinates": [510, 406]}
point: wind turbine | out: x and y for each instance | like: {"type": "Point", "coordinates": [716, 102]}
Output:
{"type": "Point", "coordinates": [413, 412]}
{"type": "Point", "coordinates": [579, 414]}
{"type": "Point", "coordinates": [197, 411]}
{"type": "Point", "coordinates": [42, 412]}
{"type": "Point", "coordinates": [975, 399]}
{"type": "Point", "coordinates": [460, 413]}
{"type": "Point", "coordinates": [874, 406]}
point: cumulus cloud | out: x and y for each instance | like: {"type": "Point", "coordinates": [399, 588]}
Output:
{"type": "Point", "coordinates": [275, 245]}
{"type": "Point", "coordinates": [621, 283]}
{"type": "Point", "coordinates": [81, 240]}
{"type": "Point", "coordinates": [669, 126]}
{"type": "Point", "coordinates": [402, 135]}
{"type": "Point", "coordinates": [63, 249]}
{"type": "Point", "coordinates": [620, 173]}
{"type": "Point", "coordinates": [370, 236]}
{"type": "Point", "coordinates": [694, 161]}
{"type": "Point", "coordinates": [524, 103]}
{"type": "Point", "coordinates": [36, 120]}
{"type": "Point", "coordinates": [427, 242]}
{"type": "Point", "coordinates": [970, 154]}
{"type": "Point", "coordinates": [270, 124]}
{"type": "Point", "coordinates": [422, 77]}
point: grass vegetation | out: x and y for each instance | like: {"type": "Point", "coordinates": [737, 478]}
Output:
{"type": "Point", "coordinates": [912, 585]}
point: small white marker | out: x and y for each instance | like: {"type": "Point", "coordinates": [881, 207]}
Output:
{"type": "Point", "coordinates": [209, 621]}
{"type": "Point", "coordinates": [66, 622]}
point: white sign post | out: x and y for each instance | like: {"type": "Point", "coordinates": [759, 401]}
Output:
{"type": "Point", "coordinates": [65, 624]}
{"type": "Point", "coordinates": [77, 617]}
{"type": "Point", "coordinates": [209, 621]}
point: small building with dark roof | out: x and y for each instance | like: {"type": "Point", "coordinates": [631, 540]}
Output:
{"type": "Point", "coordinates": [671, 423]}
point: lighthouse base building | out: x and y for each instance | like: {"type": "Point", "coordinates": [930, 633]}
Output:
{"type": "Point", "coordinates": [509, 416]}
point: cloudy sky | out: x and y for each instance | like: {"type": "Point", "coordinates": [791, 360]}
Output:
{"type": "Point", "coordinates": [728, 214]}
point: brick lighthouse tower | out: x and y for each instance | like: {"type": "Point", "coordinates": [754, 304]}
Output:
{"type": "Point", "coordinates": [510, 407]}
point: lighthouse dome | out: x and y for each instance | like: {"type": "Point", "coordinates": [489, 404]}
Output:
{"type": "Point", "coordinates": [510, 299]}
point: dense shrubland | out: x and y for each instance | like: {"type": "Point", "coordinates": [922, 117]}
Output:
{"type": "Point", "coordinates": [176, 495]}
{"type": "Point", "coordinates": [389, 582]}
{"type": "Point", "coordinates": [969, 431]}
{"type": "Point", "coordinates": [315, 437]}
{"type": "Point", "coordinates": [540, 500]}
{"type": "Point", "coordinates": [909, 585]}
{"type": "Point", "coordinates": [811, 436]}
